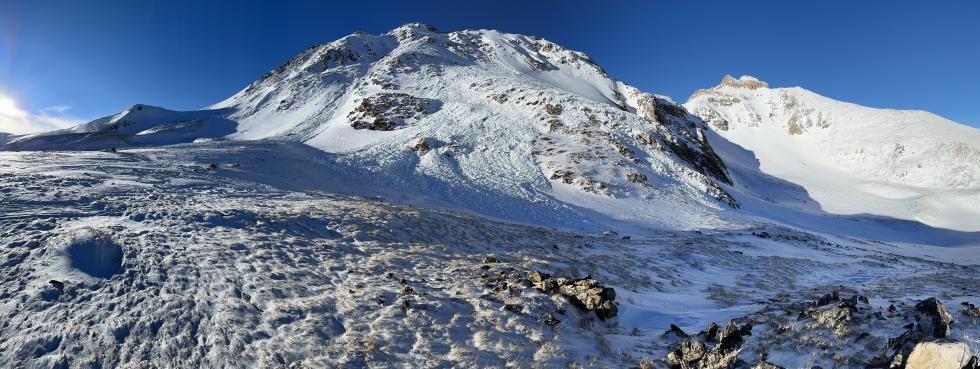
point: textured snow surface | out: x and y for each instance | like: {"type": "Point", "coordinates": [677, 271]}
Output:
{"type": "Point", "coordinates": [851, 159]}
{"type": "Point", "coordinates": [338, 212]}
{"type": "Point", "coordinates": [246, 266]}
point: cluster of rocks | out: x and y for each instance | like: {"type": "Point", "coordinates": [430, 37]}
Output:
{"type": "Point", "coordinates": [388, 111]}
{"type": "Point", "coordinates": [584, 183]}
{"type": "Point", "coordinates": [713, 118]}
{"type": "Point", "coordinates": [694, 352]}
{"type": "Point", "coordinates": [833, 331]}
{"type": "Point", "coordinates": [833, 312]}
{"type": "Point", "coordinates": [337, 57]}
{"type": "Point", "coordinates": [925, 344]}
{"type": "Point", "coordinates": [421, 144]}
{"type": "Point", "coordinates": [553, 109]}
{"type": "Point", "coordinates": [585, 293]}
{"type": "Point", "coordinates": [636, 177]}
{"type": "Point", "coordinates": [506, 287]}
{"type": "Point", "coordinates": [970, 309]}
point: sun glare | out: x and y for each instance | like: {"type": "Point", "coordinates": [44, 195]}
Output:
{"type": "Point", "coordinates": [9, 108]}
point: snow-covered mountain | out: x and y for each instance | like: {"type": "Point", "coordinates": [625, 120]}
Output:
{"type": "Point", "coordinates": [479, 117]}
{"type": "Point", "coordinates": [345, 211]}
{"type": "Point", "coordinates": [516, 127]}
{"type": "Point", "coordinates": [850, 159]}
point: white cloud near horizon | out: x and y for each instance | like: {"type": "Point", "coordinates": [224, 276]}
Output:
{"type": "Point", "coordinates": [18, 121]}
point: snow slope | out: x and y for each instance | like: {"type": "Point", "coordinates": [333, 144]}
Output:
{"type": "Point", "coordinates": [152, 258]}
{"type": "Point", "coordinates": [507, 122]}
{"type": "Point", "coordinates": [850, 159]}
{"type": "Point", "coordinates": [518, 128]}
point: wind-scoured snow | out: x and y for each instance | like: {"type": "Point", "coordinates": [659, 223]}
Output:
{"type": "Point", "coordinates": [155, 258]}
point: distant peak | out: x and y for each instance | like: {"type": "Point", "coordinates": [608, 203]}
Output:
{"type": "Point", "coordinates": [415, 27]}
{"type": "Point", "coordinates": [143, 107]}
{"type": "Point", "coordinates": [748, 82]}
{"type": "Point", "coordinates": [413, 31]}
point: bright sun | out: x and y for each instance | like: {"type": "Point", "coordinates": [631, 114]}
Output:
{"type": "Point", "coordinates": [9, 108]}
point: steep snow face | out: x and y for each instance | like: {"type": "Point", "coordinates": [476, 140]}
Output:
{"type": "Point", "coordinates": [852, 159]}
{"type": "Point", "coordinates": [504, 120]}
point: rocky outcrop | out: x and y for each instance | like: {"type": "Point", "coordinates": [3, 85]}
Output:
{"type": "Point", "coordinates": [747, 82]}
{"type": "Point", "coordinates": [582, 182]}
{"type": "Point", "coordinates": [694, 353]}
{"type": "Point", "coordinates": [421, 145]}
{"type": "Point", "coordinates": [926, 343]}
{"type": "Point", "coordinates": [933, 318]}
{"type": "Point", "coordinates": [585, 293]}
{"type": "Point", "coordinates": [679, 134]}
{"type": "Point", "coordinates": [836, 317]}
{"type": "Point", "coordinates": [971, 310]}
{"type": "Point", "coordinates": [553, 109]}
{"type": "Point", "coordinates": [389, 111]}
{"type": "Point", "coordinates": [832, 330]}
{"type": "Point", "coordinates": [338, 56]}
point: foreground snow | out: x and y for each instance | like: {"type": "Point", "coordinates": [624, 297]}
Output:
{"type": "Point", "coordinates": [243, 266]}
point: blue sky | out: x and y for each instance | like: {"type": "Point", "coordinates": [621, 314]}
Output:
{"type": "Point", "coordinates": [69, 60]}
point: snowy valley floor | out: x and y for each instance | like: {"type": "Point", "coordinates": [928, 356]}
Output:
{"type": "Point", "coordinates": [152, 259]}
